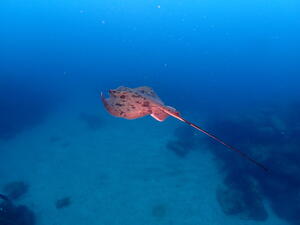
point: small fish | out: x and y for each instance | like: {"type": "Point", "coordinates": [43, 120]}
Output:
{"type": "Point", "coordinates": [133, 103]}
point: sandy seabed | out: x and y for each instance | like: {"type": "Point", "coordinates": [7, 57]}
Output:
{"type": "Point", "coordinates": [118, 174]}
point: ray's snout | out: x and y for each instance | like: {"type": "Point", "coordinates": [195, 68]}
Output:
{"type": "Point", "coordinates": [105, 103]}
{"type": "Point", "coordinates": [112, 92]}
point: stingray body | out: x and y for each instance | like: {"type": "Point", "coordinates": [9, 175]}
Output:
{"type": "Point", "coordinates": [133, 103]}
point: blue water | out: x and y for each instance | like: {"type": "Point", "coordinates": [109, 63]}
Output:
{"type": "Point", "coordinates": [234, 63]}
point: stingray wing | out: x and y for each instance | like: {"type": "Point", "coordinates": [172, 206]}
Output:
{"type": "Point", "coordinates": [149, 93]}
{"type": "Point", "coordinates": [132, 103]}
{"type": "Point", "coordinates": [128, 105]}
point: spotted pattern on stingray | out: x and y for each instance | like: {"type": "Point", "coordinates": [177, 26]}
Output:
{"type": "Point", "coordinates": [131, 103]}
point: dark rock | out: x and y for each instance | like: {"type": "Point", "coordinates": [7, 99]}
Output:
{"type": "Point", "coordinates": [55, 139]}
{"type": "Point", "coordinates": [281, 187]}
{"type": "Point", "coordinates": [62, 203]}
{"type": "Point", "coordinates": [15, 215]}
{"type": "Point", "coordinates": [273, 139]}
{"type": "Point", "coordinates": [244, 203]}
{"type": "Point", "coordinates": [93, 122]}
{"type": "Point", "coordinates": [185, 133]}
{"type": "Point", "coordinates": [230, 201]}
{"type": "Point", "coordinates": [15, 190]}
{"type": "Point", "coordinates": [159, 211]}
{"type": "Point", "coordinates": [23, 216]}
{"type": "Point", "coordinates": [179, 148]}
{"type": "Point", "coordinates": [23, 105]}
{"type": "Point", "coordinates": [65, 144]}
{"type": "Point", "coordinates": [185, 140]}
{"type": "Point", "coordinates": [287, 206]}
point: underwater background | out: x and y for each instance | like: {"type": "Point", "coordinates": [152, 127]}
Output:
{"type": "Point", "coordinates": [231, 67]}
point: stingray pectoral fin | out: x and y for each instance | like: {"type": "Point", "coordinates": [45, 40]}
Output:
{"type": "Point", "coordinates": [104, 101]}
{"type": "Point", "coordinates": [107, 105]}
{"type": "Point", "coordinates": [159, 114]}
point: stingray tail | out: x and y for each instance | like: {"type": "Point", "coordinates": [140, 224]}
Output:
{"type": "Point", "coordinates": [244, 155]}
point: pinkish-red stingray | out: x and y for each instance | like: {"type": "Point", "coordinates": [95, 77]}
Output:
{"type": "Point", "coordinates": [132, 103]}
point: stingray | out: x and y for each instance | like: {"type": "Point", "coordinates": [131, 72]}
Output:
{"type": "Point", "coordinates": [133, 103]}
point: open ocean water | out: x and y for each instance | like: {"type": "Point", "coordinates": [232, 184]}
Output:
{"type": "Point", "coordinates": [231, 67]}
